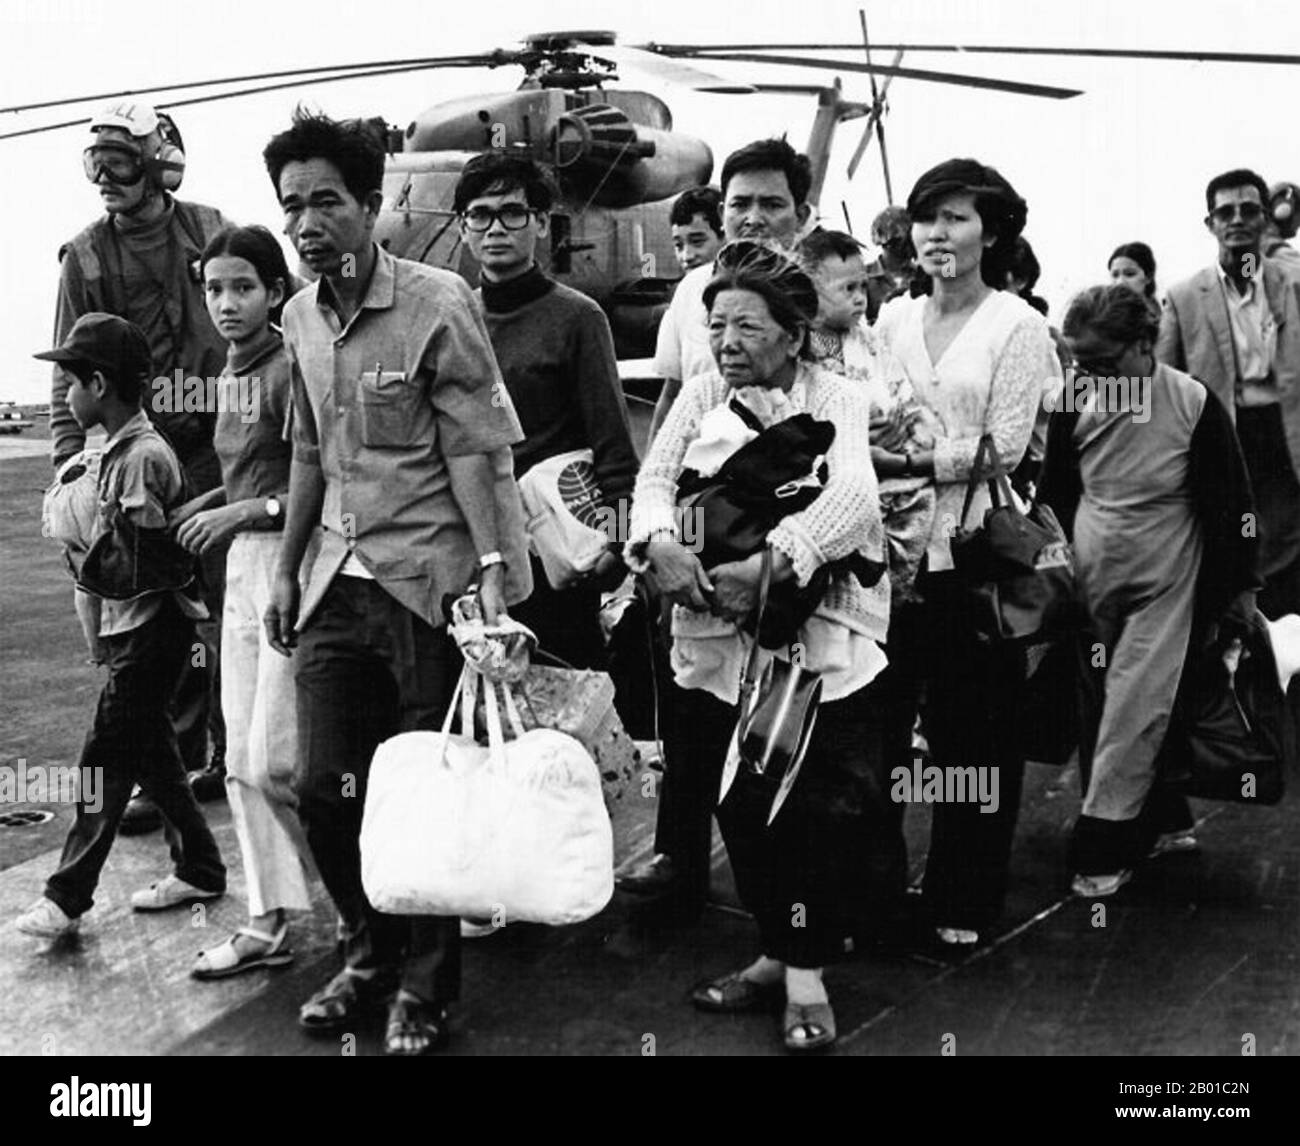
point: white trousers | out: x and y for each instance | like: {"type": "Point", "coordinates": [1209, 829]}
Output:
{"type": "Point", "coordinates": [257, 698]}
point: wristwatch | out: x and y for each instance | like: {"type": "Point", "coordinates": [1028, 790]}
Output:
{"type": "Point", "coordinates": [274, 508]}
{"type": "Point", "coordinates": [490, 559]}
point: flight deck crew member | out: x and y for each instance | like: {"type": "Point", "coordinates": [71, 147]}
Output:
{"type": "Point", "coordinates": [140, 262]}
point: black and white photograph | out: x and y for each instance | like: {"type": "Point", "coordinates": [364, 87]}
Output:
{"type": "Point", "coordinates": [688, 530]}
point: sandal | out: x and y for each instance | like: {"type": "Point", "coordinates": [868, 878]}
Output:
{"type": "Point", "coordinates": [731, 993]}
{"type": "Point", "coordinates": [224, 960]}
{"type": "Point", "coordinates": [338, 1004]}
{"type": "Point", "coordinates": [414, 1026]}
{"type": "Point", "coordinates": [808, 1027]}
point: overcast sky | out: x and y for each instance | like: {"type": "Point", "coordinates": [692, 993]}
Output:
{"type": "Point", "coordinates": [1127, 160]}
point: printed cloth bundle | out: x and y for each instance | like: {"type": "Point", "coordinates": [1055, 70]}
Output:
{"type": "Point", "coordinates": [580, 702]}
{"type": "Point", "coordinates": [514, 829]}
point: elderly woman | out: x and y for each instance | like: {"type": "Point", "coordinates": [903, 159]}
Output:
{"type": "Point", "coordinates": [1144, 472]}
{"type": "Point", "coordinates": [979, 357]}
{"type": "Point", "coordinates": [834, 856]}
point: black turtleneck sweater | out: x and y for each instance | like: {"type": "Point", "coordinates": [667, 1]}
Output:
{"type": "Point", "coordinates": [557, 358]}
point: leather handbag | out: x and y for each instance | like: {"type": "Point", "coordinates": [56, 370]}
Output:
{"type": "Point", "coordinates": [777, 715]}
{"type": "Point", "coordinates": [1018, 567]}
{"type": "Point", "coordinates": [1232, 736]}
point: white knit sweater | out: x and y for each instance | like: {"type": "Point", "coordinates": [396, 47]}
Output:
{"type": "Point", "coordinates": [844, 519]}
{"type": "Point", "coordinates": [990, 380]}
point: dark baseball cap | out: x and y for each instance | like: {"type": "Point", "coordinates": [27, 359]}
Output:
{"type": "Point", "coordinates": [106, 342]}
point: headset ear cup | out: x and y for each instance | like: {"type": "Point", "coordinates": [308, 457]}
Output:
{"type": "Point", "coordinates": [170, 160]}
{"type": "Point", "coordinates": [168, 167]}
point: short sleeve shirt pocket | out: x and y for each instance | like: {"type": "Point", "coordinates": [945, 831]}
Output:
{"type": "Point", "coordinates": [388, 401]}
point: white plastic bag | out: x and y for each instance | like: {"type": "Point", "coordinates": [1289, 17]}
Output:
{"type": "Point", "coordinates": [516, 830]}
{"type": "Point", "coordinates": [563, 505]}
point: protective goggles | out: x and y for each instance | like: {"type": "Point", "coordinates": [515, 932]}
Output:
{"type": "Point", "coordinates": [117, 165]}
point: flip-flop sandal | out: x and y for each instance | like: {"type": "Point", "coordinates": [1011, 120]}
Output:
{"type": "Point", "coordinates": [222, 961]}
{"type": "Point", "coordinates": [411, 1018]}
{"type": "Point", "coordinates": [808, 1027]}
{"type": "Point", "coordinates": [730, 994]}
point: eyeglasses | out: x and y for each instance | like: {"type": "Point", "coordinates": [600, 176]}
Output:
{"type": "Point", "coordinates": [119, 166]}
{"type": "Point", "coordinates": [513, 217]}
{"type": "Point", "coordinates": [1226, 212]}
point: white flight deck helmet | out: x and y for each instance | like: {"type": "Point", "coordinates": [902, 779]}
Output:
{"type": "Point", "coordinates": [151, 135]}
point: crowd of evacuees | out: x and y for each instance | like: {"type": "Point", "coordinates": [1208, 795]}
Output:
{"type": "Point", "coordinates": [397, 407]}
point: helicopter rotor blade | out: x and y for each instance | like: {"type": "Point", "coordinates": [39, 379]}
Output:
{"type": "Point", "coordinates": [866, 47]}
{"type": "Point", "coordinates": [884, 162]}
{"type": "Point", "coordinates": [877, 115]}
{"type": "Point", "coordinates": [232, 95]}
{"type": "Point", "coordinates": [481, 60]}
{"type": "Point", "coordinates": [959, 79]}
{"type": "Point", "coordinates": [864, 142]}
{"type": "Point", "coordinates": [994, 50]}
{"type": "Point", "coordinates": [675, 72]}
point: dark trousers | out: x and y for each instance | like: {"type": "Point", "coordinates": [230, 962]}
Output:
{"type": "Point", "coordinates": [968, 715]}
{"type": "Point", "coordinates": [696, 732]}
{"type": "Point", "coordinates": [132, 741]}
{"type": "Point", "coordinates": [834, 863]}
{"type": "Point", "coordinates": [566, 621]}
{"type": "Point", "coordinates": [1277, 501]}
{"type": "Point", "coordinates": [368, 668]}
{"type": "Point", "coordinates": [196, 702]}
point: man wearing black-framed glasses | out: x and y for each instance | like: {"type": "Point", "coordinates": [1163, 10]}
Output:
{"type": "Point", "coordinates": [1236, 327]}
{"type": "Point", "coordinates": [556, 354]}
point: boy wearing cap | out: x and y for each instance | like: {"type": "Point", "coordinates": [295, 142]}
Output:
{"type": "Point", "coordinates": [146, 635]}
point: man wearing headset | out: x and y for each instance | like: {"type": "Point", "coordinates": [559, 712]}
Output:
{"type": "Point", "coordinates": [140, 261]}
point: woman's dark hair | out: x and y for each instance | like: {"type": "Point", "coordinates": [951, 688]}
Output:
{"type": "Point", "coordinates": [1002, 212]}
{"type": "Point", "coordinates": [261, 248]}
{"type": "Point", "coordinates": [499, 173]}
{"type": "Point", "coordinates": [1023, 264]}
{"type": "Point", "coordinates": [790, 294]}
{"type": "Point", "coordinates": [1114, 312]}
{"type": "Point", "coordinates": [354, 146]}
{"type": "Point", "coordinates": [1145, 258]}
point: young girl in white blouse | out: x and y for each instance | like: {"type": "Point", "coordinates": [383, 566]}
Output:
{"type": "Point", "coordinates": [978, 357]}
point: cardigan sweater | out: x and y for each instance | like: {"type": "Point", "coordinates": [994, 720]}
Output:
{"type": "Point", "coordinates": [991, 379]}
{"type": "Point", "coordinates": [845, 518]}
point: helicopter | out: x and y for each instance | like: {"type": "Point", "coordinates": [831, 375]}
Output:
{"type": "Point", "coordinates": [618, 158]}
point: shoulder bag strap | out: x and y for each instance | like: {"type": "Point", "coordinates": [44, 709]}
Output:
{"type": "Point", "coordinates": [749, 681]}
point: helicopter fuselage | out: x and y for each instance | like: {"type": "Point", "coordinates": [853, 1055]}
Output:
{"type": "Point", "coordinates": [618, 164]}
